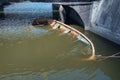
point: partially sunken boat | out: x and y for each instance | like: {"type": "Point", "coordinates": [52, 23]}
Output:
{"type": "Point", "coordinates": [54, 24]}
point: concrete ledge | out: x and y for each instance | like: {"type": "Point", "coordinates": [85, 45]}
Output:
{"type": "Point", "coordinates": [114, 37]}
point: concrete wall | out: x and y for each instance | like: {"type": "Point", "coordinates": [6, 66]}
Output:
{"type": "Point", "coordinates": [105, 19]}
{"type": "Point", "coordinates": [84, 13]}
{"type": "Point", "coordinates": [73, 16]}
{"type": "Point", "coordinates": [101, 17]}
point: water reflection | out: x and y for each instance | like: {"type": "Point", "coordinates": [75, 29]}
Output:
{"type": "Point", "coordinates": [28, 10]}
{"type": "Point", "coordinates": [80, 74]}
{"type": "Point", "coordinates": [19, 29]}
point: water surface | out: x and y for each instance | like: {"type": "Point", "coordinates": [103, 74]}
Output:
{"type": "Point", "coordinates": [29, 53]}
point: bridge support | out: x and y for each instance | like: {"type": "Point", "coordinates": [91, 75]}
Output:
{"type": "Point", "coordinates": [105, 19]}
{"type": "Point", "coordinates": [101, 17]}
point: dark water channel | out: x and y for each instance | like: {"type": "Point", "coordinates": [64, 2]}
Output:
{"type": "Point", "coordinates": [28, 53]}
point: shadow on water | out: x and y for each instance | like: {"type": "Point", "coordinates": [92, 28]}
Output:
{"type": "Point", "coordinates": [72, 17]}
{"type": "Point", "coordinates": [2, 5]}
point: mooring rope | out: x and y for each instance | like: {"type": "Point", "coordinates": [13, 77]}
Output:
{"type": "Point", "coordinates": [107, 57]}
{"type": "Point", "coordinates": [115, 55]}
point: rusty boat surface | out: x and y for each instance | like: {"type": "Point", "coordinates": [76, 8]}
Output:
{"type": "Point", "coordinates": [55, 25]}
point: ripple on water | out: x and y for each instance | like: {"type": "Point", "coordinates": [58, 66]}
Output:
{"type": "Point", "coordinates": [11, 30]}
{"type": "Point", "coordinates": [80, 74]}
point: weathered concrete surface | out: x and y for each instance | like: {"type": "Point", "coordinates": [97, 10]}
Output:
{"type": "Point", "coordinates": [72, 16]}
{"type": "Point", "coordinates": [84, 13]}
{"type": "Point", "coordinates": [105, 19]}
{"type": "Point", "coordinates": [76, 13]}
{"type": "Point", "coordinates": [101, 17]}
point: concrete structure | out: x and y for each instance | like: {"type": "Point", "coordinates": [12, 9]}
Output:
{"type": "Point", "coordinates": [105, 17]}
{"type": "Point", "coordinates": [84, 13]}
{"type": "Point", "coordinates": [77, 12]}
{"type": "Point", "coordinates": [101, 17]}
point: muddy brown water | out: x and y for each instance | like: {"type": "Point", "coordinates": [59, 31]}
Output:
{"type": "Point", "coordinates": [28, 53]}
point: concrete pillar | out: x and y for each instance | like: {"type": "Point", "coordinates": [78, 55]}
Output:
{"type": "Point", "coordinates": [105, 19]}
